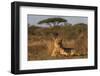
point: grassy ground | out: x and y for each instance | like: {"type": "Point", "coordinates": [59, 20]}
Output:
{"type": "Point", "coordinates": [38, 50]}
{"type": "Point", "coordinates": [39, 39]}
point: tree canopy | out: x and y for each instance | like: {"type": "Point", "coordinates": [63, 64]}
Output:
{"type": "Point", "coordinates": [53, 21]}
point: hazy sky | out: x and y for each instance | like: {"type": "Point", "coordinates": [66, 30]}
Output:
{"type": "Point", "coordinates": [34, 19]}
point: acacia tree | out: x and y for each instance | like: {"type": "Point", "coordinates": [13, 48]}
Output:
{"type": "Point", "coordinates": [53, 21]}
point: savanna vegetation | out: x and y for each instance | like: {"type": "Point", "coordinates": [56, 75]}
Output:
{"type": "Point", "coordinates": [41, 39]}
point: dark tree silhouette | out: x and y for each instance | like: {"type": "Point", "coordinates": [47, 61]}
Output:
{"type": "Point", "coordinates": [53, 21]}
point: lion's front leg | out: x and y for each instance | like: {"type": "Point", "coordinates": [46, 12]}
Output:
{"type": "Point", "coordinates": [54, 52]}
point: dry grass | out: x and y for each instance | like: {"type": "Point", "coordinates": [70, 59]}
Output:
{"type": "Point", "coordinates": [40, 43]}
{"type": "Point", "coordinates": [41, 49]}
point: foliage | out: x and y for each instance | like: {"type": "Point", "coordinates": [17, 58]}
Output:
{"type": "Point", "coordinates": [52, 21]}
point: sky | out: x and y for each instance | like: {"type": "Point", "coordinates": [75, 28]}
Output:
{"type": "Point", "coordinates": [34, 19]}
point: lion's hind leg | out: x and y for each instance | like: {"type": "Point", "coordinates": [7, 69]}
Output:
{"type": "Point", "coordinates": [62, 52]}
